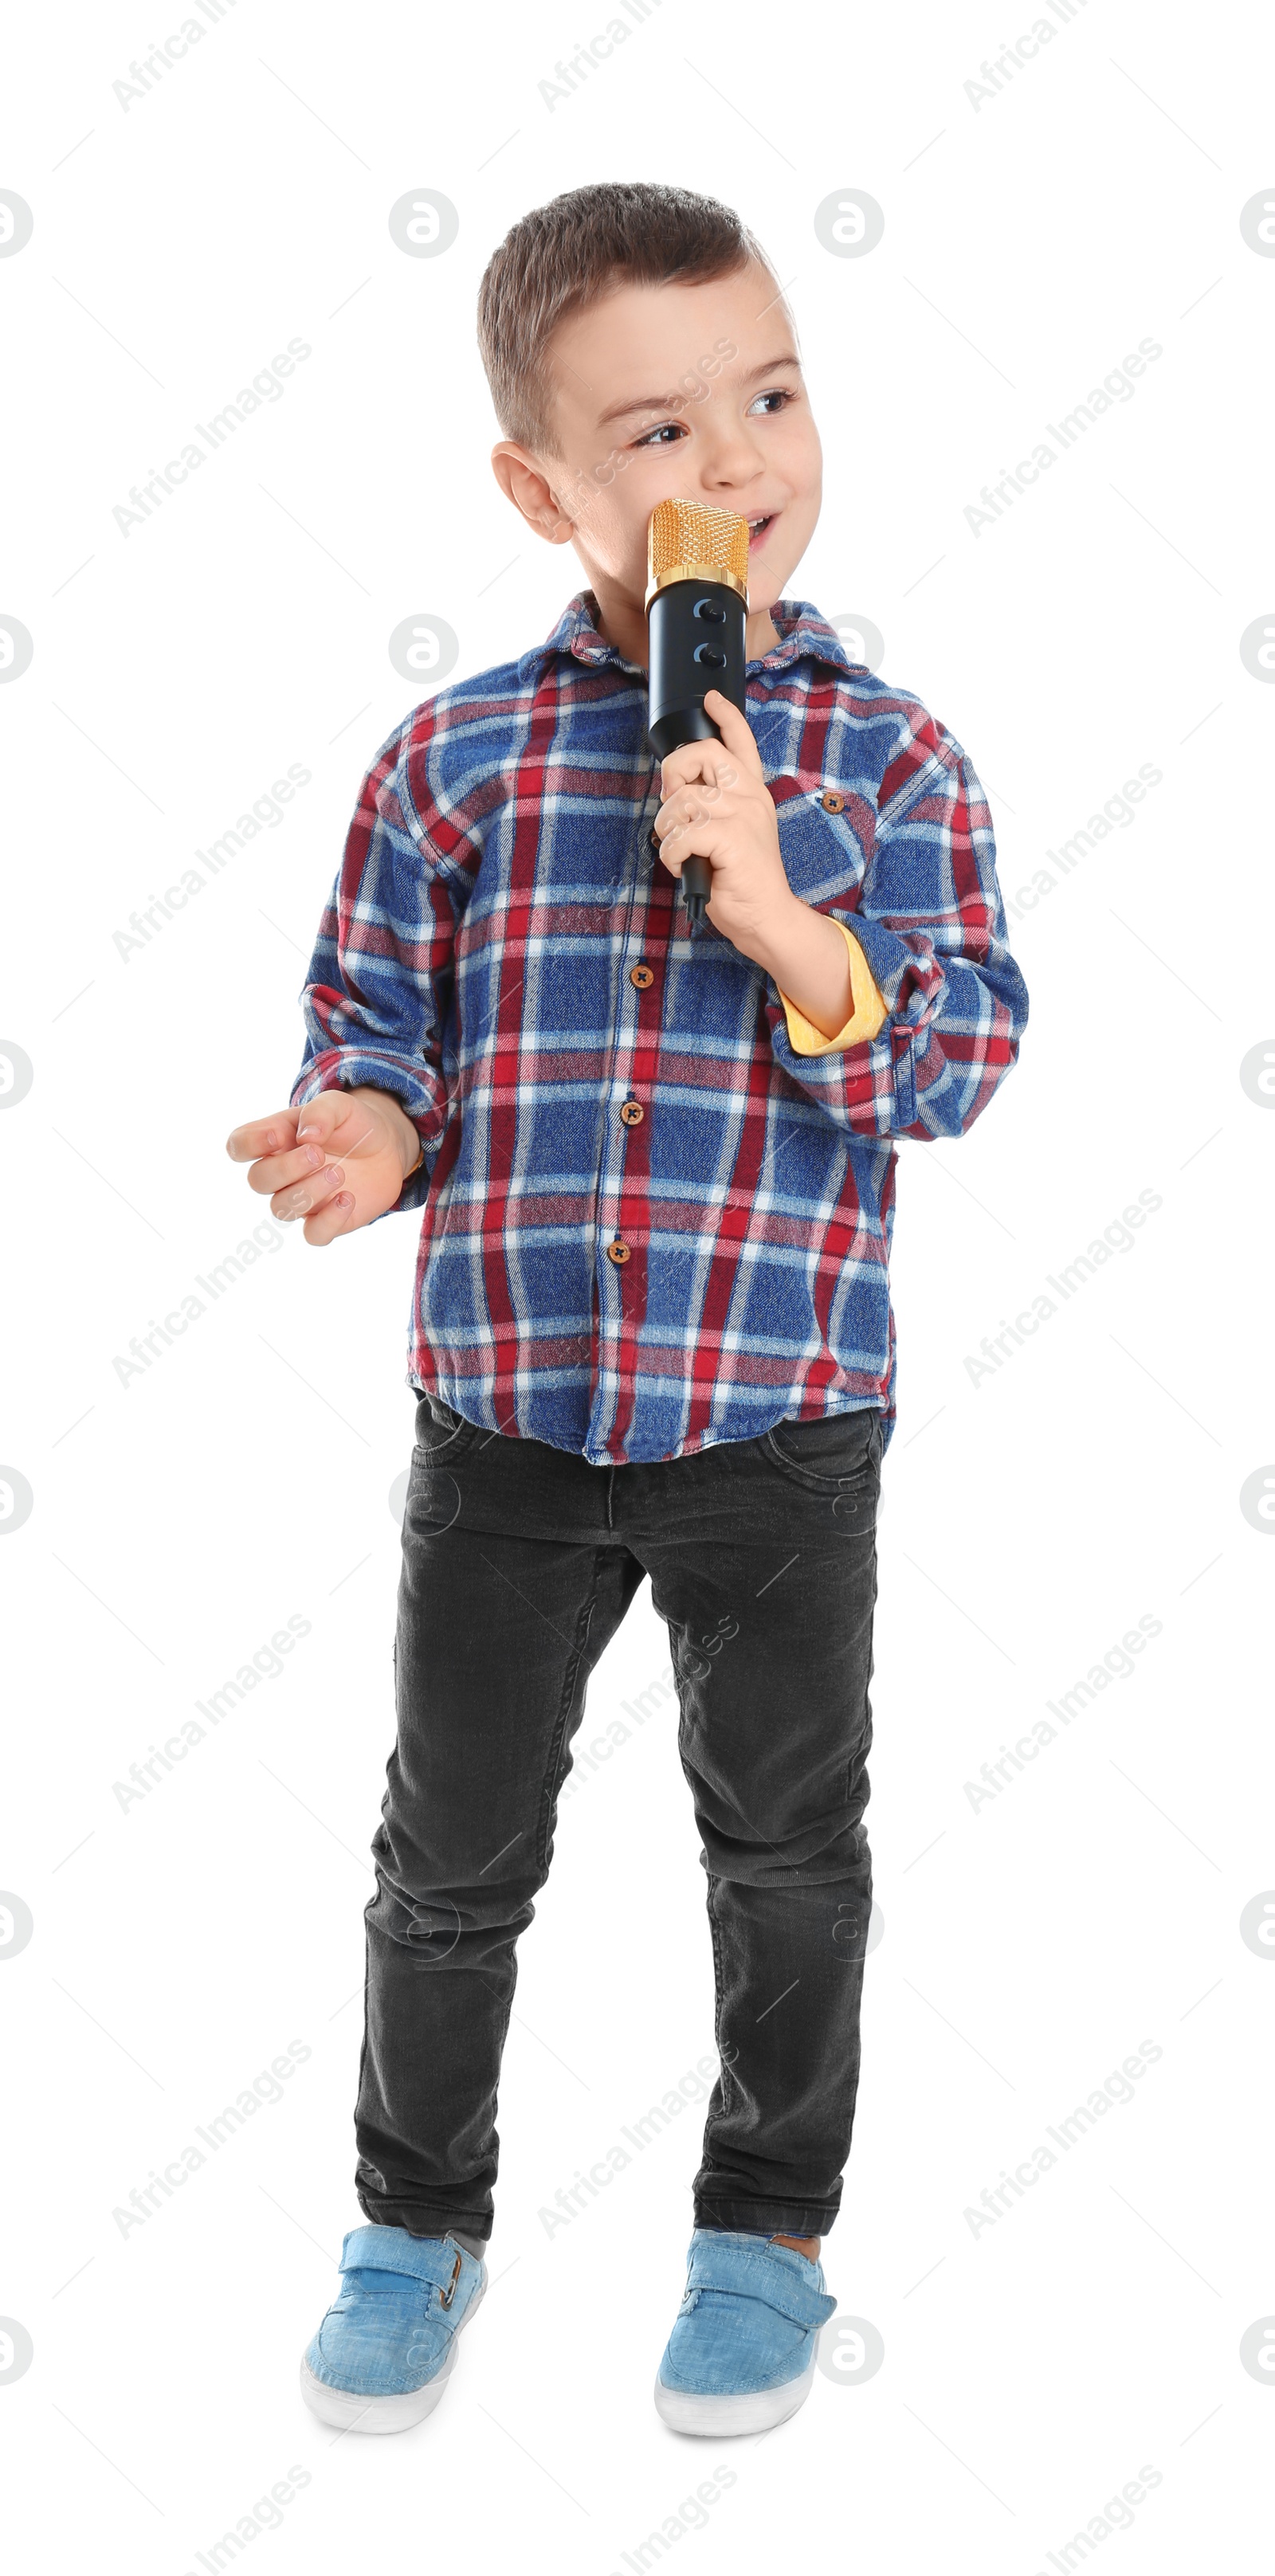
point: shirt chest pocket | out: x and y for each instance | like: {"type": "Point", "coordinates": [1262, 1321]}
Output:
{"type": "Point", "coordinates": [825, 834]}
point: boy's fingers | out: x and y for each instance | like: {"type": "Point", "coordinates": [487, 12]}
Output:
{"type": "Point", "coordinates": [344, 1126]}
{"type": "Point", "coordinates": [273, 1135]}
{"type": "Point", "coordinates": [308, 1192]}
{"type": "Point", "coordinates": [276, 1172]}
{"type": "Point", "coordinates": [697, 834]}
{"type": "Point", "coordinates": [692, 806]}
{"type": "Point", "coordinates": [333, 1120]}
{"type": "Point", "coordinates": [330, 1220]}
{"type": "Point", "coordinates": [735, 729]}
{"type": "Point", "coordinates": [691, 764]}
{"type": "Point", "coordinates": [318, 1119]}
{"type": "Point", "coordinates": [717, 764]}
{"type": "Point", "coordinates": [283, 1148]}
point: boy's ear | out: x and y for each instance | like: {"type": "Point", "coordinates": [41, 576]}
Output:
{"type": "Point", "coordinates": [522, 480]}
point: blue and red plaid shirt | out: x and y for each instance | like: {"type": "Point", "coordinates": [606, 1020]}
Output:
{"type": "Point", "coordinates": [649, 1223]}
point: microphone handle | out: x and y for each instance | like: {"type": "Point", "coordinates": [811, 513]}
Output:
{"type": "Point", "coordinates": [696, 637]}
{"type": "Point", "coordinates": [696, 879]}
{"type": "Point", "coordinates": [696, 882]}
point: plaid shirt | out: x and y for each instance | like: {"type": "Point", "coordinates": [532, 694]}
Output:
{"type": "Point", "coordinates": [650, 1222]}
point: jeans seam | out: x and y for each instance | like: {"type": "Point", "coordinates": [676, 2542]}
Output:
{"type": "Point", "coordinates": [553, 1767]}
{"type": "Point", "coordinates": [724, 2076]}
{"type": "Point", "coordinates": [864, 1747]}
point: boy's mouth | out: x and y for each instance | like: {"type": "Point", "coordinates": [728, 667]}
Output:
{"type": "Point", "coordinates": [759, 529]}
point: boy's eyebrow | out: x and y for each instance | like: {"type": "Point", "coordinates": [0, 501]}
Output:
{"type": "Point", "coordinates": [660, 402]}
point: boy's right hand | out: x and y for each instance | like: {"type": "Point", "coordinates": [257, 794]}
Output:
{"type": "Point", "coordinates": [338, 1161]}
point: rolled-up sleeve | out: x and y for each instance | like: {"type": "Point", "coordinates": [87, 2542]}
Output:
{"type": "Point", "coordinates": [930, 924]}
{"type": "Point", "coordinates": [380, 977]}
{"type": "Point", "coordinates": [867, 1009]}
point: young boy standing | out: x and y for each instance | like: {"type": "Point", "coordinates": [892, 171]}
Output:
{"type": "Point", "coordinates": [651, 1328]}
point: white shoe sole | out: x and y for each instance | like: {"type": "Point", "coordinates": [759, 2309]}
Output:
{"type": "Point", "coordinates": [754, 2413]}
{"type": "Point", "coordinates": [354, 2414]}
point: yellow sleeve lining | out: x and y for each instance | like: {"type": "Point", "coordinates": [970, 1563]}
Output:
{"type": "Point", "coordinates": [866, 1017]}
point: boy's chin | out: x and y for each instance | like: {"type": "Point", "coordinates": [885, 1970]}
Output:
{"type": "Point", "coordinates": [771, 580]}
{"type": "Point", "coordinates": [765, 594]}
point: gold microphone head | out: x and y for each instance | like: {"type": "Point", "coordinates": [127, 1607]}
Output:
{"type": "Point", "coordinates": [686, 541]}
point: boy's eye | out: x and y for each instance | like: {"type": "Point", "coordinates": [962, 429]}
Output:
{"type": "Point", "coordinates": [667, 432]}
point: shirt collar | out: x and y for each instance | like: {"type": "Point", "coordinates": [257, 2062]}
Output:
{"type": "Point", "coordinates": [803, 634]}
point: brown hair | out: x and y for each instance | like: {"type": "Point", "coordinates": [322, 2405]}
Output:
{"type": "Point", "coordinates": [567, 255]}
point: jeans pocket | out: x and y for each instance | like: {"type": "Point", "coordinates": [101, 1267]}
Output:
{"type": "Point", "coordinates": [838, 1454]}
{"type": "Point", "coordinates": [442, 1434]}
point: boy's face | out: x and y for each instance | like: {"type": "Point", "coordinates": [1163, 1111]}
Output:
{"type": "Point", "coordinates": [664, 392]}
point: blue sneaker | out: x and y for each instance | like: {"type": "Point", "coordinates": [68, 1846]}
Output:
{"type": "Point", "coordinates": [741, 2355]}
{"type": "Point", "coordinates": [381, 2358]}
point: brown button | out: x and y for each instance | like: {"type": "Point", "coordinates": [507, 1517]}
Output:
{"type": "Point", "coordinates": [632, 1112]}
{"type": "Point", "coordinates": [833, 802]}
{"type": "Point", "coordinates": [641, 976]}
{"type": "Point", "coordinates": [618, 1252]}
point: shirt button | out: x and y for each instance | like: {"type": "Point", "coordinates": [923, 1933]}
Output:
{"type": "Point", "coordinates": [618, 1253]}
{"type": "Point", "coordinates": [641, 976]}
{"type": "Point", "coordinates": [833, 802]}
{"type": "Point", "coordinates": [632, 1113]}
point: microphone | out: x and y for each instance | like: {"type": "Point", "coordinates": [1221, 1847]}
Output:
{"type": "Point", "coordinates": [696, 611]}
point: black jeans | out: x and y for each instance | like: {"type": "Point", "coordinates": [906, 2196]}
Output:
{"type": "Point", "coordinates": [519, 1562]}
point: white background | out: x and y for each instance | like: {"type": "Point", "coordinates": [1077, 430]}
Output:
{"type": "Point", "coordinates": [1030, 1518]}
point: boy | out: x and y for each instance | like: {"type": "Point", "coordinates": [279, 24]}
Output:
{"type": "Point", "coordinates": [651, 1329]}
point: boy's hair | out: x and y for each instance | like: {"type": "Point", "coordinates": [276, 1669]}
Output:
{"type": "Point", "coordinates": [569, 254]}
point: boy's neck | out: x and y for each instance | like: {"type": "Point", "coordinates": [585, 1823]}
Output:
{"type": "Point", "coordinates": [622, 623]}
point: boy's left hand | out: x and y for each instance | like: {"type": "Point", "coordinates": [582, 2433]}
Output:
{"type": "Point", "coordinates": [717, 803]}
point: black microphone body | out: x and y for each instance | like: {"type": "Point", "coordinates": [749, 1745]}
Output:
{"type": "Point", "coordinates": [696, 637]}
